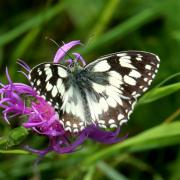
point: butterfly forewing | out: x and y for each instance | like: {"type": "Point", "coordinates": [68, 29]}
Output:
{"type": "Point", "coordinates": [49, 81]}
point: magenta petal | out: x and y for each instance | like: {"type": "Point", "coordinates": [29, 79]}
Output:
{"type": "Point", "coordinates": [19, 87]}
{"type": "Point", "coordinates": [70, 61]}
{"type": "Point", "coordinates": [61, 52]}
{"type": "Point", "coordinates": [79, 57]}
{"type": "Point", "coordinates": [2, 101]}
{"type": "Point", "coordinates": [24, 65]}
{"type": "Point", "coordinates": [32, 124]}
{"type": "Point", "coordinates": [8, 76]}
{"type": "Point", "coordinates": [105, 137]}
{"type": "Point", "coordinates": [71, 147]}
{"type": "Point", "coordinates": [36, 151]}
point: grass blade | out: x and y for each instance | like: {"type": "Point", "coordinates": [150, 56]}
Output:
{"type": "Point", "coordinates": [162, 135]}
{"type": "Point", "coordinates": [121, 30]}
{"type": "Point", "coordinates": [14, 151]}
{"type": "Point", "coordinates": [158, 93]}
{"type": "Point", "coordinates": [110, 172]}
{"type": "Point", "coordinates": [35, 21]}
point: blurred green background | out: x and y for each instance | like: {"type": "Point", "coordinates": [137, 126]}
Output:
{"type": "Point", "coordinates": [152, 149]}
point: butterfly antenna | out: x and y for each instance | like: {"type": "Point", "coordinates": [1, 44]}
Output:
{"type": "Point", "coordinates": [52, 40]}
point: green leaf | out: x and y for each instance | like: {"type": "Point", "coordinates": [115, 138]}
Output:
{"type": "Point", "coordinates": [162, 135]}
{"type": "Point", "coordinates": [105, 17]}
{"type": "Point", "coordinates": [110, 172]}
{"type": "Point", "coordinates": [89, 175]}
{"type": "Point", "coordinates": [3, 140]}
{"type": "Point", "coordinates": [121, 30]}
{"type": "Point", "coordinates": [168, 79]}
{"type": "Point", "coordinates": [158, 93]}
{"type": "Point", "coordinates": [14, 151]}
{"type": "Point", "coordinates": [16, 136]}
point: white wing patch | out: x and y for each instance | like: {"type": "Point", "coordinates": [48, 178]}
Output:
{"type": "Point", "coordinates": [62, 72]}
{"type": "Point", "coordinates": [129, 80]}
{"type": "Point", "coordinates": [103, 103]}
{"type": "Point", "coordinates": [135, 74]}
{"type": "Point", "coordinates": [54, 91]}
{"type": "Point", "coordinates": [102, 66]}
{"type": "Point", "coordinates": [98, 87]}
{"type": "Point", "coordinates": [126, 62]}
{"type": "Point", "coordinates": [49, 86]}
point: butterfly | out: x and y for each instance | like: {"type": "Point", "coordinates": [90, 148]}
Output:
{"type": "Point", "coordinates": [103, 92]}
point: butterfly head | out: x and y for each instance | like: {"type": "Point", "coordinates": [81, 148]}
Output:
{"type": "Point", "coordinates": [74, 66]}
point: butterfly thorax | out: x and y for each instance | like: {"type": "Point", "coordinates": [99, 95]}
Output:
{"type": "Point", "coordinates": [75, 68]}
{"type": "Point", "coordinates": [78, 76]}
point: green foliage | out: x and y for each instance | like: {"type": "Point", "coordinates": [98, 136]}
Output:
{"type": "Point", "coordinates": [160, 92]}
{"type": "Point", "coordinates": [16, 136]}
{"type": "Point", "coordinates": [152, 147]}
{"type": "Point", "coordinates": [162, 135]}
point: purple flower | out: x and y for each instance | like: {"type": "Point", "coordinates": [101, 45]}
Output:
{"type": "Point", "coordinates": [42, 118]}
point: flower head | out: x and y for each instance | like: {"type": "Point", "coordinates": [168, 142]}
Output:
{"type": "Point", "coordinates": [41, 116]}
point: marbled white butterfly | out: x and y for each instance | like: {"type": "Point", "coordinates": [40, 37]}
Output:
{"type": "Point", "coordinates": [103, 92]}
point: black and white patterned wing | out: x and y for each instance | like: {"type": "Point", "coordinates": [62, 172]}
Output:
{"type": "Point", "coordinates": [49, 80]}
{"type": "Point", "coordinates": [117, 80]}
{"type": "Point", "coordinates": [54, 83]}
{"type": "Point", "coordinates": [104, 92]}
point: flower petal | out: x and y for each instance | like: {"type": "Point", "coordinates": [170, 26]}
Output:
{"type": "Point", "coordinates": [24, 65]}
{"type": "Point", "coordinates": [105, 137]}
{"type": "Point", "coordinates": [61, 52]}
{"type": "Point", "coordinates": [71, 147]}
{"type": "Point", "coordinates": [79, 57]}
